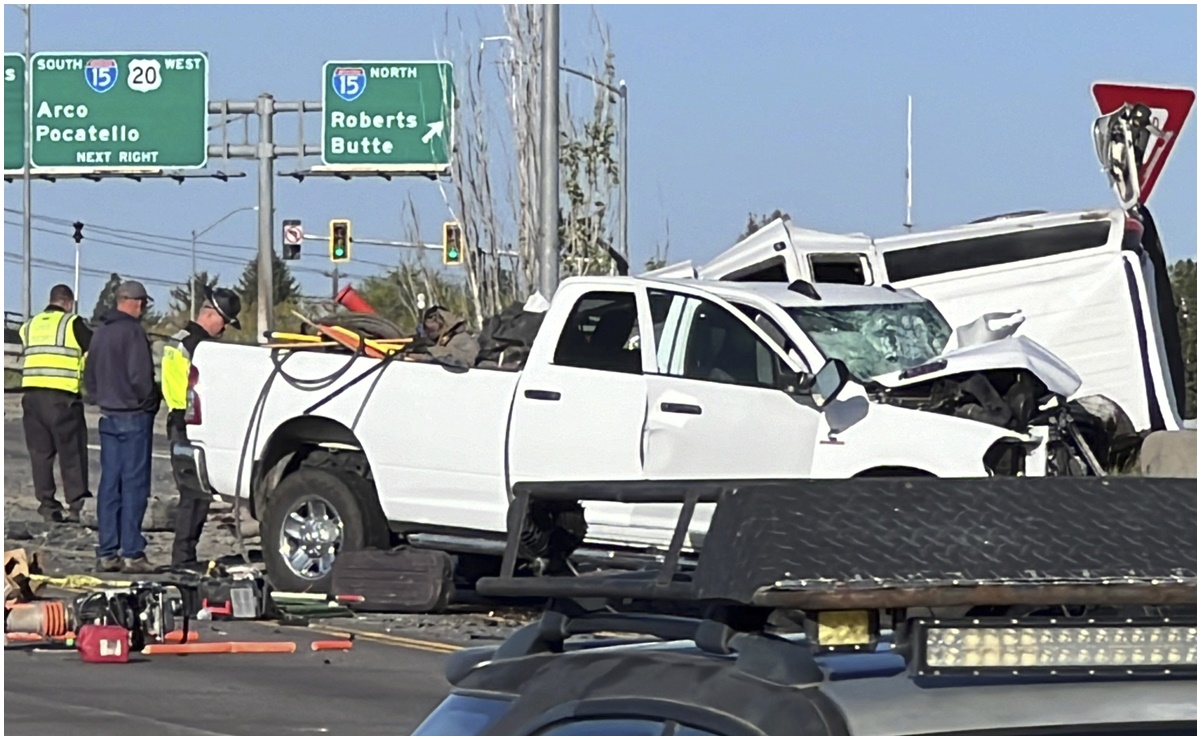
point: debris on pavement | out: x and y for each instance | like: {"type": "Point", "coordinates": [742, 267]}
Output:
{"type": "Point", "coordinates": [220, 648]}
{"type": "Point", "coordinates": [19, 569]}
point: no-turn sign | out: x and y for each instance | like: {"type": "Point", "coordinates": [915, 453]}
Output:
{"type": "Point", "coordinates": [293, 233]}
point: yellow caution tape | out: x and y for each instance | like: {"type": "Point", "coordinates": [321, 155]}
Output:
{"type": "Point", "coordinates": [79, 581]}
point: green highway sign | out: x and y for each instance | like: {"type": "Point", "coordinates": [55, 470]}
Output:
{"type": "Point", "coordinates": [14, 105]}
{"type": "Point", "coordinates": [110, 111]}
{"type": "Point", "coordinates": [388, 115]}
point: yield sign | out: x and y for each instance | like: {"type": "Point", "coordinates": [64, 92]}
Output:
{"type": "Point", "coordinates": [1170, 108]}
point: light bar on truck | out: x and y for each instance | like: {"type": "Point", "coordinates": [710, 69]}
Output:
{"type": "Point", "coordinates": [1055, 646]}
{"type": "Point", "coordinates": [849, 630]}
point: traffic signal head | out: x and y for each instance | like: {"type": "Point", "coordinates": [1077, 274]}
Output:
{"type": "Point", "coordinates": [339, 240]}
{"type": "Point", "coordinates": [452, 243]}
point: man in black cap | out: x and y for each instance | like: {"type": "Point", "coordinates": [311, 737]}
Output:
{"type": "Point", "coordinates": [220, 309]}
{"type": "Point", "coordinates": [119, 377]}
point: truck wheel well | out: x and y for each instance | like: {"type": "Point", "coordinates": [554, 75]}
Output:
{"type": "Point", "coordinates": [311, 441]}
{"type": "Point", "coordinates": [894, 471]}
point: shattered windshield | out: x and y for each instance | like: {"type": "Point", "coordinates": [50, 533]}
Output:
{"type": "Point", "coordinates": [876, 339]}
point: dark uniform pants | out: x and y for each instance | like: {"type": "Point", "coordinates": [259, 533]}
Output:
{"type": "Point", "coordinates": [55, 427]}
{"type": "Point", "coordinates": [190, 516]}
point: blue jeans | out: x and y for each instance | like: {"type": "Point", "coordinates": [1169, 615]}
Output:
{"type": "Point", "coordinates": [124, 493]}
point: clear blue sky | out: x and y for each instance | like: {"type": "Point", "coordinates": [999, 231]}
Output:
{"type": "Point", "coordinates": [732, 109]}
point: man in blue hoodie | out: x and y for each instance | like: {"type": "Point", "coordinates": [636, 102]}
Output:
{"type": "Point", "coordinates": [119, 378]}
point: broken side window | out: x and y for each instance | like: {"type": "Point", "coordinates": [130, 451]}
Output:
{"type": "Point", "coordinates": [846, 269]}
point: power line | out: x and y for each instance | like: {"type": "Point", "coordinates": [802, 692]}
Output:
{"type": "Point", "coordinates": [122, 232]}
{"type": "Point", "coordinates": [170, 251]}
{"type": "Point", "coordinates": [221, 245]}
{"type": "Point", "coordinates": [95, 272]}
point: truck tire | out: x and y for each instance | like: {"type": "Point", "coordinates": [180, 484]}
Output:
{"type": "Point", "coordinates": [311, 516]}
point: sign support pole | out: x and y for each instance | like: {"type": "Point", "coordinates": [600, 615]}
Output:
{"type": "Point", "coordinates": [548, 248]}
{"type": "Point", "coordinates": [265, 153]}
{"type": "Point", "coordinates": [27, 195]}
{"type": "Point", "coordinates": [75, 287]}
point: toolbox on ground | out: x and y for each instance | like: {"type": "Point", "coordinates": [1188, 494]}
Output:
{"type": "Point", "coordinates": [404, 580]}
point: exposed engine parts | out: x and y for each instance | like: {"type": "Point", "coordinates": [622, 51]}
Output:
{"type": "Point", "coordinates": [1078, 443]}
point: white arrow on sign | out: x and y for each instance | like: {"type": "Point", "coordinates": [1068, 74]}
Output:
{"type": "Point", "coordinates": [435, 130]}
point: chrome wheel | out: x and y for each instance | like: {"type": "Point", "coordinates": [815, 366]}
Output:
{"type": "Point", "coordinates": [310, 538]}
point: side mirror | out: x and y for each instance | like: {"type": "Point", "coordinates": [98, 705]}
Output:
{"type": "Point", "coordinates": [829, 382]}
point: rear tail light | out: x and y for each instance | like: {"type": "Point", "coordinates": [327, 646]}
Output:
{"type": "Point", "coordinates": [191, 413]}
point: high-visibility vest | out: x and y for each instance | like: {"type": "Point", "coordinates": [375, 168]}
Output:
{"type": "Point", "coordinates": [50, 355]}
{"type": "Point", "coordinates": [176, 366]}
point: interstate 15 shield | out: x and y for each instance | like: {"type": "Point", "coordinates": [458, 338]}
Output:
{"type": "Point", "coordinates": [101, 74]}
{"type": "Point", "coordinates": [349, 82]}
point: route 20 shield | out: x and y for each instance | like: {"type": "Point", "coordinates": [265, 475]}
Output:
{"type": "Point", "coordinates": [349, 82]}
{"type": "Point", "coordinates": [101, 74]}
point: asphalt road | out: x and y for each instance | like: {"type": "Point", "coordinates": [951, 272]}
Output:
{"type": "Point", "coordinates": [380, 687]}
{"type": "Point", "coordinates": [14, 437]}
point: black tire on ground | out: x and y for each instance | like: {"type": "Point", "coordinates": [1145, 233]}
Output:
{"type": "Point", "coordinates": [362, 525]}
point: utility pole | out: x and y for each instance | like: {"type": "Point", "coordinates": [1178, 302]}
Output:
{"type": "Point", "coordinates": [909, 168]}
{"type": "Point", "coordinates": [548, 252]}
{"type": "Point", "coordinates": [266, 156]}
{"type": "Point", "coordinates": [27, 195]}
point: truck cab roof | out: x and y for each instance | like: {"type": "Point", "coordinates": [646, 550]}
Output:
{"type": "Point", "coordinates": [790, 295]}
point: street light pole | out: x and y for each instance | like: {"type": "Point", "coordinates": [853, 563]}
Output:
{"type": "Point", "coordinates": [625, 171]}
{"type": "Point", "coordinates": [193, 298]}
{"type": "Point", "coordinates": [27, 196]}
{"type": "Point", "coordinates": [621, 91]}
{"type": "Point", "coordinates": [192, 281]}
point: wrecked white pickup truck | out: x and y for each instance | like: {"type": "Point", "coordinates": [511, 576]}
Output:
{"type": "Point", "coordinates": [626, 379]}
{"type": "Point", "coordinates": [1090, 286]}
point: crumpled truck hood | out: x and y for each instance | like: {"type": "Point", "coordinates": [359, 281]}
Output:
{"type": "Point", "coordinates": [1010, 353]}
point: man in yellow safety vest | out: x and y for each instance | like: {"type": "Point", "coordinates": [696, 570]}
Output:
{"type": "Point", "coordinates": [53, 345]}
{"type": "Point", "coordinates": [220, 309]}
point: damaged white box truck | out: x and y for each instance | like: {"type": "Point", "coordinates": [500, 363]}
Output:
{"type": "Point", "coordinates": [1090, 286]}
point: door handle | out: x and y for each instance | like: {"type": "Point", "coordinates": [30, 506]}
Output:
{"type": "Point", "coordinates": [543, 395]}
{"type": "Point", "coordinates": [680, 408]}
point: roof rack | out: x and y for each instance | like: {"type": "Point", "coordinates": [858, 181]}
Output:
{"type": "Point", "coordinates": [893, 543]}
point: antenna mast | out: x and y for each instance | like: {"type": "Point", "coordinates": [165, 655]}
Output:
{"type": "Point", "coordinates": [909, 169]}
